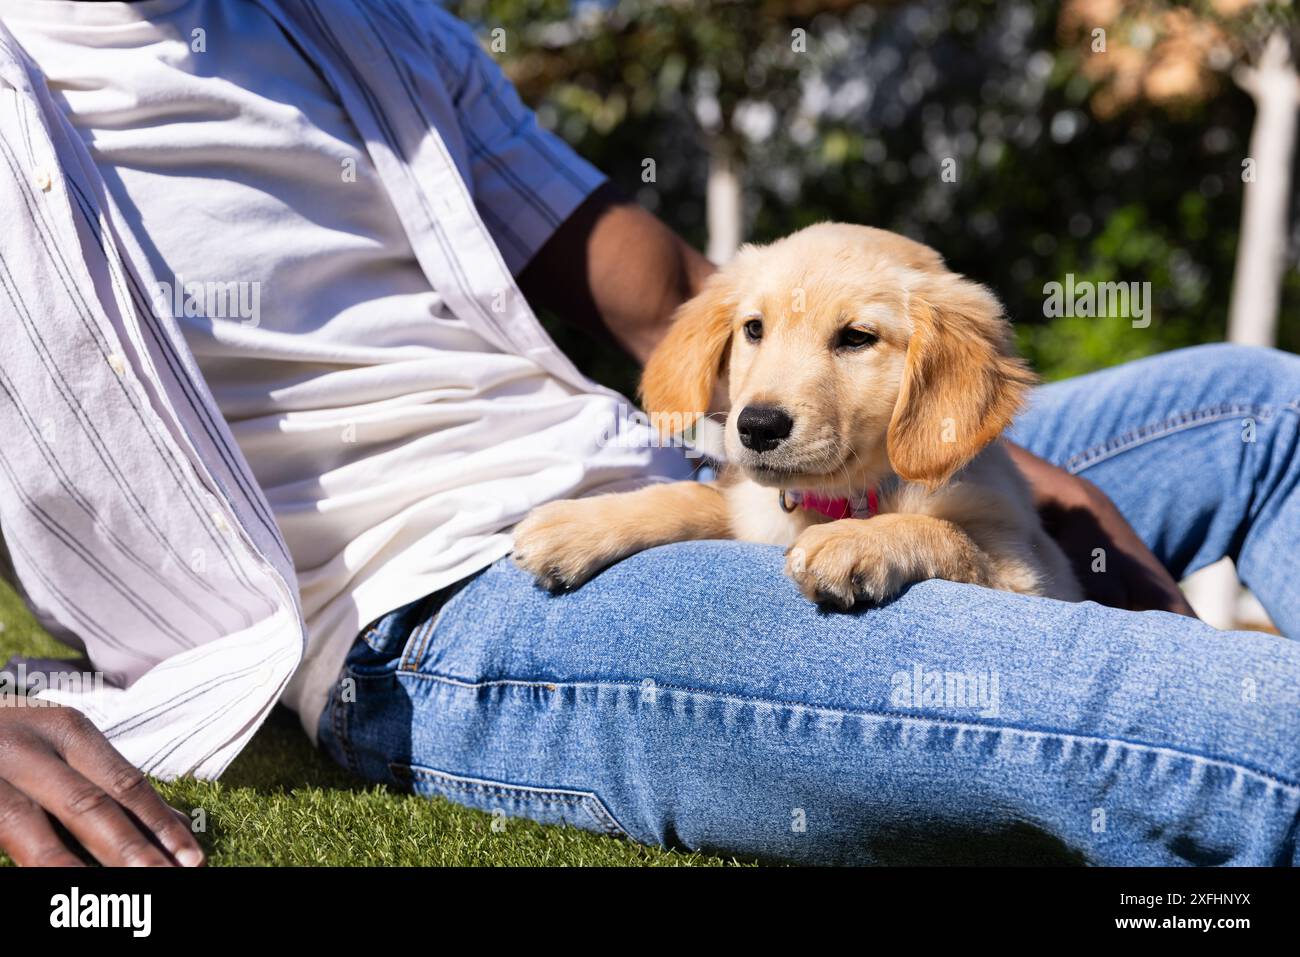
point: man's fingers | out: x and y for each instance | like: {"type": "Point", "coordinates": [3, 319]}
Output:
{"type": "Point", "coordinates": [88, 751]}
{"type": "Point", "coordinates": [89, 813]}
{"type": "Point", "coordinates": [81, 805]}
{"type": "Point", "coordinates": [27, 835]}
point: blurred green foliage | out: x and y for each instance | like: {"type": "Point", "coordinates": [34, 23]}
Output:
{"type": "Point", "coordinates": [857, 127]}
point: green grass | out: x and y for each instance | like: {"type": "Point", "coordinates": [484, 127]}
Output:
{"type": "Point", "coordinates": [282, 803]}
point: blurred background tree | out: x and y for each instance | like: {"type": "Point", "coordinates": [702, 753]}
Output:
{"type": "Point", "coordinates": [828, 109]}
{"type": "Point", "coordinates": [1178, 55]}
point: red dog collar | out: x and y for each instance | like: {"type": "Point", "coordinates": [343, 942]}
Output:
{"type": "Point", "coordinates": [860, 506]}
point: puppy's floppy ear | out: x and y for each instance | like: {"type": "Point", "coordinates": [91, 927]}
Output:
{"type": "Point", "coordinates": [962, 384]}
{"type": "Point", "coordinates": [678, 382]}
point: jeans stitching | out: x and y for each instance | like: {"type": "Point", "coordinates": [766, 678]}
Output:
{"type": "Point", "coordinates": [412, 656]}
{"type": "Point", "coordinates": [368, 637]}
{"type": "Point", "coordinates": [414, 650]}
{"type": "Point", "coordinates": [569, 797]}
{"type": "Point", "coordinates": [1147, 433]}
{"type": "Point", "coordinates": [1289, 785]}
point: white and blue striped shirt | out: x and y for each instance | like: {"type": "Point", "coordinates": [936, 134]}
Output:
{"type": "Point", "coordinates": [132, 523]}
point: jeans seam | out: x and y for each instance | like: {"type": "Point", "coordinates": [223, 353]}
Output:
{"type": "Point", "coordinates": [414, 652]}
{"type": "Point", "coordinates": [571, 797]}
{"type": "Point", "coordinates": [411, 655]}
{"type": "Point", "coordinates": [1289, 785]}
{"type": "Point", "coordinates": [1141, 435]}
{"type": "Point", "coordinates": [368, 637]}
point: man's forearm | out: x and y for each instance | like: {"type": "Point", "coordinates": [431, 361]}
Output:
{"type": "Point", "coordinates": [614, 264]}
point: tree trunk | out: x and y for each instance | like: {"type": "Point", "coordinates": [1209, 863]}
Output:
{"type": "Point", "coordinates": [1262, 243]}
{"type": "Point", "coordinates": [724, 202]}
{"type": "Point", "coordinates": [1215, 592]}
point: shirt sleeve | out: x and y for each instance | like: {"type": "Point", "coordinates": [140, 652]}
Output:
{"type": "Point", "coordinates": [525, 180]}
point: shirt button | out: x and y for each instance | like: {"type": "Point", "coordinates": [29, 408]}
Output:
{"type": "Point", "coordinates": [117, 363]}
{"type": "Point", "coordinates": [44, 178]}
{"type": "Point", "coordinates": [220, 522]}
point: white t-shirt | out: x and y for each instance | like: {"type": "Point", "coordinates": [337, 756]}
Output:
{"type": "Point", "coordinates": [395, 446]}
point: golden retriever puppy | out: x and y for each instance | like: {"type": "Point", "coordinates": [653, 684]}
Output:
{"type": "Point", "coordinates": [869, 386]}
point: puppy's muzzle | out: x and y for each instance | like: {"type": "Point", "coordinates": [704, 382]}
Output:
{"type": "Point", "coordinates": [762, 427]}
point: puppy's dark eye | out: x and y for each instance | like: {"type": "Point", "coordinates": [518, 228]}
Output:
{"type": "Point", "coordinates": [754, 330]}
{"type": "Point", "coordinates": [852, 338]}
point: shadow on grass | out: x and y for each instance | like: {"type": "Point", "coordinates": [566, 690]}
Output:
{"type": "Point", "coordinates": [281, 758]}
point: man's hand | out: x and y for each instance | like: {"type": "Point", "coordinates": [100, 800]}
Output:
{"type": "Point", "coordinates": [1082, 518]}
{"type": "Point", "coordinates": [55, 764]}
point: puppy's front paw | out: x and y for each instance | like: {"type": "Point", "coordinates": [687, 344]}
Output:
{"type": "Point", "coordinates": [562, 544]}
{"type": "Point", "coordinates": [841, 563]}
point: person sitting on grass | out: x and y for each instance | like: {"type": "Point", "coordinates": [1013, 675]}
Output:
{"type": "Point", "coordinates": [273, 394]}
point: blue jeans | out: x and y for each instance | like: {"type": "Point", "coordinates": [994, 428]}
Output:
{"type": "Point", "coordinates": [689, 696]}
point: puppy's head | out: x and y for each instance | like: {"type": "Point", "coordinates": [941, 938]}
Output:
{"type": "Point", "coordinates": [848, 352]}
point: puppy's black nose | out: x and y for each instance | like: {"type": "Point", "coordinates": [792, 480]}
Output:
{"type": "Point", "coordinates": [762, 427]}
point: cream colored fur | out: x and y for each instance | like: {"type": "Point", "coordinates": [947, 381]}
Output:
{"type": "Point", "coordinates": [916, 412]}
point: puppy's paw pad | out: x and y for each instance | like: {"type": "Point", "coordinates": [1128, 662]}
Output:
{"type": "Point", "coordinates": [561, 545]}
{"type": "Point", "coordinates": [842, 567]}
